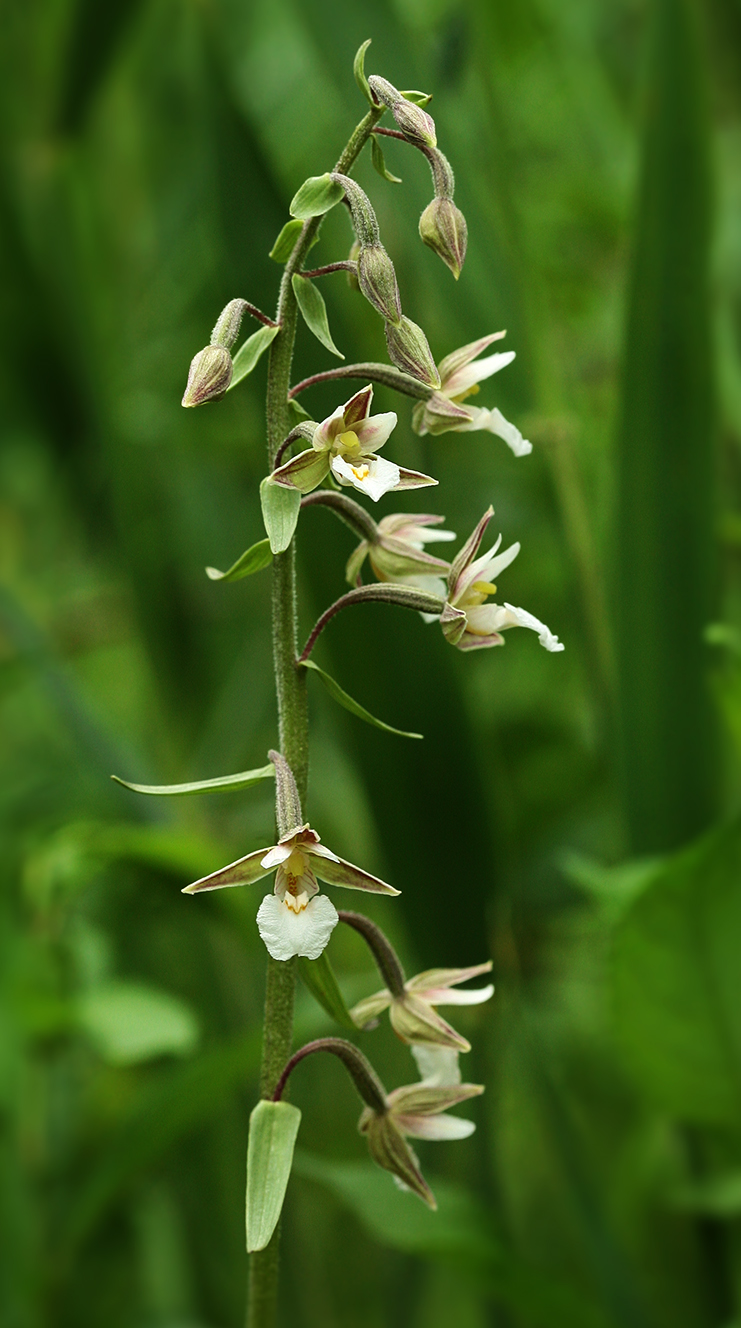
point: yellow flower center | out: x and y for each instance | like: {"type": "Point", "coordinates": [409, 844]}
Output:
{"type": "Point", "coordinates": [477, 594]}
{"type": "Point", "coordinates": [296, 902]}
{"type": "Point", "coordinates": [360, 472]}
{"type": "Point", "coordinates": [469, 392]}
{"type": "Point", "coordinates": [348, 443]}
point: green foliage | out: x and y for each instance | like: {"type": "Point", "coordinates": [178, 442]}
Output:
{"type": "Point", "coordinates": [314, 311]}
{"type": "Point", "coordinates": [347, 703]}
{"type": "Point", "coordinates": [273, 1130]}
{"type": "Point", "coordinates": [249, 353]}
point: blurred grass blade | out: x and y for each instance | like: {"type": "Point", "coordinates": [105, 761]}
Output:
{"type": "Point", "coordinates": [666, 462]}
{"type": "Point", "coordinates": [253, 560]}
{"type": "Point", "coordinates": [222, 784]}
{"type": "Point", "coordinates": [97, 34]}
{"type": "Point", "coordinates": [318, 975]}
{"type": "Point", "coordinates": [342, 698]}
{"type": "Point", "coordinates": [273, 1130]}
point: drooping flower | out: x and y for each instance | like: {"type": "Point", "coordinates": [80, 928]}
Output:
{"type": "Point", "coordinates": [398, 554]}
{"type": "Point", "coordinates": [295, 919]}
{"type": "Point", "coordinates": [413, 1016]}
{"type": "Point", "coordinates": [460, 375]}
{"type": "Point", "coordinates": [346, 444]}
{"type": "Point", "coordinates": [416, 1111]}
{"type": "Point", "coordinates": [467, 620]}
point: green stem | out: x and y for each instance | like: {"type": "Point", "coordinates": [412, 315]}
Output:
{"type": "Point", "coordinates": [293, 722]}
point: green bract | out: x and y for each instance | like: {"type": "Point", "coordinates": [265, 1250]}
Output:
{"type": "Point", "coordinates": [316, 196]}
{"type": "Point", "coordinates": [273, 1130]}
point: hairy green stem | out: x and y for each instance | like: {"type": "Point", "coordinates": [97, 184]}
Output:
{"type": "Point", "coordinates": [293, 724]}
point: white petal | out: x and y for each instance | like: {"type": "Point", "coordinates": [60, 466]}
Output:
{"type": "Point", "coordinates": [375, 431]}
{"type": "Point", "coordinates": [435, 1127]}
{"type": "Point", "coordinates": [326, 432]}
{"type": "Point", "coordinates": [275, 856]}
{"type": "Point", "coordinates": [321, 851]}
{"type": "Point", "coordinates": [427, 536]}
{"type": "Point", "coordinates": [438, 1066]}
{"type": "Point", "coordinates": [465, 378]}
{"type": "Point", "coordinates": [521, 618]}
{"type": "Point", "coordinates": [449, 996]}
{"type": "Point", "coordinates": [371, 475]}
{"type": "Point", "coordinates": [286, 933]}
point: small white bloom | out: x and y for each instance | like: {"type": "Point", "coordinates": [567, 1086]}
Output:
{"type": "Point", "coordinates": [369, 474]}
{"type": "Point", "coordinates": [296, 927]}
{"type": "Point", "coordinates": [460, 375]}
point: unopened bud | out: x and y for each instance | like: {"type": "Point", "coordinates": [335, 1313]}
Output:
{"type": "Point", "coordinates": [377, 281]}
{"type": "Point", "coordinates": [363, 217]}
{"type": "Point", "coordinates": [410, 352]}
{"type": "Point", "coordinates": [442, 226]}
{"type": "Point", "coordinates": [209, 376]}
{"type": "Point", "coordinates": [388, 1147]}
{"type": "Point", "coordinates": [228, 323]}
{"type": "Point", "coordinates": [415, 124]}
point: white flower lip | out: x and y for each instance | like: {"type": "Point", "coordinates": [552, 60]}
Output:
{"type": "Point", "coordinates": [369, 474]}
{"type": "Point", "coordinates": [305, 933]}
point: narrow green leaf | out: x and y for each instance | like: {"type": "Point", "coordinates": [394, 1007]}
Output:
{"type": "Point", "coordinates": [249, 353]}
{"type": "Point", "coordinates": [318, 975]}
{"type": "Point", "coordinates": [283, 247]}
{"type": "Point", "coordinates": [358, 69]}
{"type": "Point", "coordinates": [316, 196]}
{"type": "Point", "coordinates": [379, 162]}
{"type": "Point", "coordinates": [343, 699]}
{"type": "Point", "coordinates": [280, 509]}
{"type": "Point", "coordinates": [253, 560]}
{"type": "Point", "coordinates": [224, 783]}
{"type": "Point", "coordinates": [273, 1130]}
{"type": "Point", "coordinates": [314, 311]}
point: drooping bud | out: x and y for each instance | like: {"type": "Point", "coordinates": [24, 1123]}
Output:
{"type": "Point", "coordinates": [388, 1147]}
{"type": "Point", "coordinates": [415, 124]}
{"type": "Point", "coordinates": [228, 323]}
{"type": "Point", "coordinates": [409, 349]}
{"type": "Point", "coordinates": [209, 376]}
{"type": "Point", "coordinates": [363, 217]}
{"type": "Point", "coordinates": [442, 226]}
{"type": "Point", "coordinates": [377, 281]}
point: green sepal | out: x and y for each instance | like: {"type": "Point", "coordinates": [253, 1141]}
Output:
{"type": "Point", "coordinates": [314, 311]}
{"type": "Point", "coordinates": [354, 707]}
{"type": "Point", "coordinates": [223, 784]}
{"type": "Point", "coordinates": [273, 1130]}
{"type": "Point", "coordinates": [280, 509]}
{"type": "Point", "coordinates": [379, 162]}
{"type": "Point", "coordinates": [253, 560]}
{"type": "Point", "coordinates": [317, 195]}
{"type": "Point", "coordinates": [419, 98]}
{"type": "Point", "coordinates": [318, 975]}
{"type": "Point", "coordinates": [249, 353]}
{"type": "Point", "coordinates": [284, 245]}
{"type": "Point", "coordinates": [358, 69]}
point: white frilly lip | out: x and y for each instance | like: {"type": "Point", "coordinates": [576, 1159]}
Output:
{"type": "Point", "coordinates": [370, 474]}
{"type": "Point", "coordinates": [286, 933]}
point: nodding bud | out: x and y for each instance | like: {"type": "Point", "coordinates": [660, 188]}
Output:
{"type": "Point", "coordinates": [377, 281]}
{"type": "Point", "coordinates": [363, 217]}
{"type": "Point", "coordinates": [410, 352]}
{"type": "Point", "coordinates": [228, 323]}
{"type": "Point", "coordinates": [209, 376]}
{"type": "Point", "coordinates": [415, 124]}
{"type": "Point", "coordinates": [443, 227]}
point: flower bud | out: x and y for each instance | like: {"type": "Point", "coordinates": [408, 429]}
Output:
{"type": "Point", "coordinates": [209, 376]}
{"type": "Point", "coordinates": [377, 281]}
{"type": "Point", "coordinates": [389, 1149]}
{"type": "Point", "coordinates": [410, 352]}
{"type": "Point", "coordinates": [442, 226]}
{"type": "Point", "coordinates": [363, 217]}
{"type": "Point", "coordinates": [228, 323]}
{"type": "Point", "coordinates": [415, 124]}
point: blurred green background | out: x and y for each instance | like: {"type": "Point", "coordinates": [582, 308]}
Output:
{"type": "Point", "coordinates": [573, 816]}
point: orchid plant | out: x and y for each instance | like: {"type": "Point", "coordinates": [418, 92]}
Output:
{"type": "Point", "coordinates": [314, 463]}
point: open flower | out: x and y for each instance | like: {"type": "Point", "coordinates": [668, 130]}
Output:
{"type": "Point", "coordinates": [460, 375]}
{"type": "Point", "coordinates": [467, 620]}
{"type": "Point", "coordinates": [295, 919]}
{"type": "Point", "coordinates": [413, 1016]}
{"type": "Point", "coordinates": [417, 1111]}
{"type": "Point", "coordinates": [346, 444]}
{"type": "Point", "coordinates": [398, 553]}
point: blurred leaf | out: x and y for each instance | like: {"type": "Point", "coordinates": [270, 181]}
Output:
{"type": "Point", "coordinates": [342, 698]}
{"type": "Point", "coordinates": [677, 982]}
{"type": "Point", "coordinates": [318, 975]}
{"type": "Point", "coordinates": [249, 353]}
{"type": "Point", "coordinates": [316, 196]}
{"type": "Point", "coordinates": [614, 888]}
{"type": "Point", "coordinates": [222, 784]}
{"type": "Point", "coordinates": [254, 560]}
{"type": "Point", "coordinates": [379, 162]}
{"type": "Point", "coordinates": [314, 311]}
{"type": "Point", "coordinates": [280, 509]}
{"type": "Point", "coordinates": [717, 1196]}
{"type": "Point", "coordinates": [98, 32]}
{"type": "Point", "coordinates": [130, 1023]}
{"type": "Point", "coordinates": [665, 522]}
{"type": "Point", "coordinates": [459, 1232]}
{"type": "Point", "coordinates": [273, 1130]}
{"type": "Point", "coordinates": [284, 244]}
